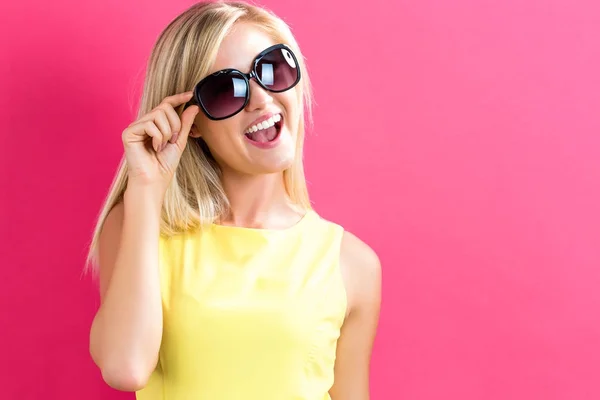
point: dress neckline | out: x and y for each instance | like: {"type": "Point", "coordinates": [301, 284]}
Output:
{"type": "Point", "coordinates": [308, 215]}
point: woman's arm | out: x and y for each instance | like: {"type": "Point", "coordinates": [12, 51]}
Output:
{"type": "Point", "coordinates": [126, 332]}
{"type": "Point", "coordinates": [361, 270]}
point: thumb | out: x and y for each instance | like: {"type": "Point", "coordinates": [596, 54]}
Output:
{"type": "Point", "coordinates": [187, 120]}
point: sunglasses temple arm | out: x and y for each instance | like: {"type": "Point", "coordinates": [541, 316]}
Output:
{"type": "Point", "coordinates": [192, 102]}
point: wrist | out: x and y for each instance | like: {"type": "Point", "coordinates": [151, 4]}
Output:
{"type": "Point", "coordinates": [144, 196]}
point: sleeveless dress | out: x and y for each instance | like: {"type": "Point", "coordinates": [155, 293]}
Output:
{"type": "Point", "coordinates": [250, 314]}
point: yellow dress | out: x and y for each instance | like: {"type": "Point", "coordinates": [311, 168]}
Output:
{"type": "Point", "coordinates": [250, 314]}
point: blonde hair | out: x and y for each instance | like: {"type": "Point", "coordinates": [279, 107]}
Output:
{"type": "Point", "coordinates": [182, 55]}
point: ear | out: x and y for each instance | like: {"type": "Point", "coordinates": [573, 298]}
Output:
{"type": "Point", "coordinates": [194, 132]}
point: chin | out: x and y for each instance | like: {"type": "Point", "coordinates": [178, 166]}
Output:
{"type": "Point", "coordinates": [278, 156]}
{"type": "Point", "coordinates": [274, 163]}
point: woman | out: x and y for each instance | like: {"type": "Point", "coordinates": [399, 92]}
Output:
{"type": "Point", "coordinates": [217, 279]}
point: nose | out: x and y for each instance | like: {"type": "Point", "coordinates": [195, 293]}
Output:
{"type": "Point", "coordinates": [259, 97]}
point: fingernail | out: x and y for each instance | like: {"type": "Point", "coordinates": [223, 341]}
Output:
{"type": "Point", "coordinates": [174, 137]}
{"type": "Point", "coordinates": [163, 146]}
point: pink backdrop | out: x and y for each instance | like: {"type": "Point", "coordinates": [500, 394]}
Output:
{"type": "Point", "coordinates": [459, 138]}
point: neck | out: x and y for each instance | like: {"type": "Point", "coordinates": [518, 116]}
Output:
{"type": "Point", "coordinates": [258, 201]}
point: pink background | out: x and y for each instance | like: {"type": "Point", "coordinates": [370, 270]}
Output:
{"type": "Point", "coordinates": [459, 138]}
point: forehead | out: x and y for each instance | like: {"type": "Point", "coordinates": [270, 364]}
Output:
{"type": "Point", "coordinates": [241, 46]}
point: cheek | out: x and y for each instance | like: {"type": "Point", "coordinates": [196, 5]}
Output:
{"type": "Point", "coordinates": [222, 137]}
{"type": "Point", "coordinates": [292, 104]}
{"type": "Point", "coordinates": [218, 132]}
{"type": "Point", "coordinates": [219, 141]}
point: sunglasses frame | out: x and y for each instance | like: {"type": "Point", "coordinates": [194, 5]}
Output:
{"type": "Point", "coordinates": [252, 75]}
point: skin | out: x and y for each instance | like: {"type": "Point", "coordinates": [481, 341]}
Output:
{"type": "Point", "coordinates": [126, 331]}
{"type": "Point", "coordinates": [252, 177]}
{"type": "Point", "coordinates": [253, 181]}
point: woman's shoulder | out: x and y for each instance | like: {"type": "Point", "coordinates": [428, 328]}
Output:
{"type": "Point", "coordinates": [352, 247]}
{"type": "Point", "coordinates": [359, 258]}
{"type": "Point", "coordinates": [355, 254]}
{"type": "Point", "coordinates": [361, 269]}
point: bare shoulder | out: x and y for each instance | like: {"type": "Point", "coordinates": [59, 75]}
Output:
{"type": "Point", "coordinates": [359, 254]}
{"type": "Point", "coordinates": [361, 269]}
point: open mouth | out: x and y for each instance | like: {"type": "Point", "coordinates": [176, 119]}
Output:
{"type": "Point", "coordinates": [267, 131]}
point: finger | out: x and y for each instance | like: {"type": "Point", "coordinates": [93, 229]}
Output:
{"type": "Point", "coordinates": [187, 120]}
{"type": "Point", "coordinates": [162, 122]}
{"type": "Point", "coordinates": [157, 138]}
{"type": "Point", "coordinates": [149, 116]}
{"type": "Point", "coordinates": [140, 131]}
{"type": "Point", "coordinates": [173, 117]}
{"type": "Point", "coordinates": [178, 99]}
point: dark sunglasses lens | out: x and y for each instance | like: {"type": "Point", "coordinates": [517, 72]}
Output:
{"type": "Point", "coordinates": [278, 70]}
{"type": "Point", "coordinates": [224, 94]}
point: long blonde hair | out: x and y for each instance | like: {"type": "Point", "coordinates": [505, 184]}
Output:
{"type": "Point", "coordinates": [182, 55]}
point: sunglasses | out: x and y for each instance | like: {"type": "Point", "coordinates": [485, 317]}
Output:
{"type": "Point", "coordinates": [225, 93]}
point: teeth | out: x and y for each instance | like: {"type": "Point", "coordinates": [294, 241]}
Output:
{"type": "Point", "coordinates": [265, 124]}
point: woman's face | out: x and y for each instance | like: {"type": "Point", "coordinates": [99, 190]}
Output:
{"type": "Point", "coordinates": [230, 143]}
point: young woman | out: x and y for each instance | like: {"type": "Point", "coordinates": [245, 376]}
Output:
{"type": "Point", "coordinates": [217, 279]}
